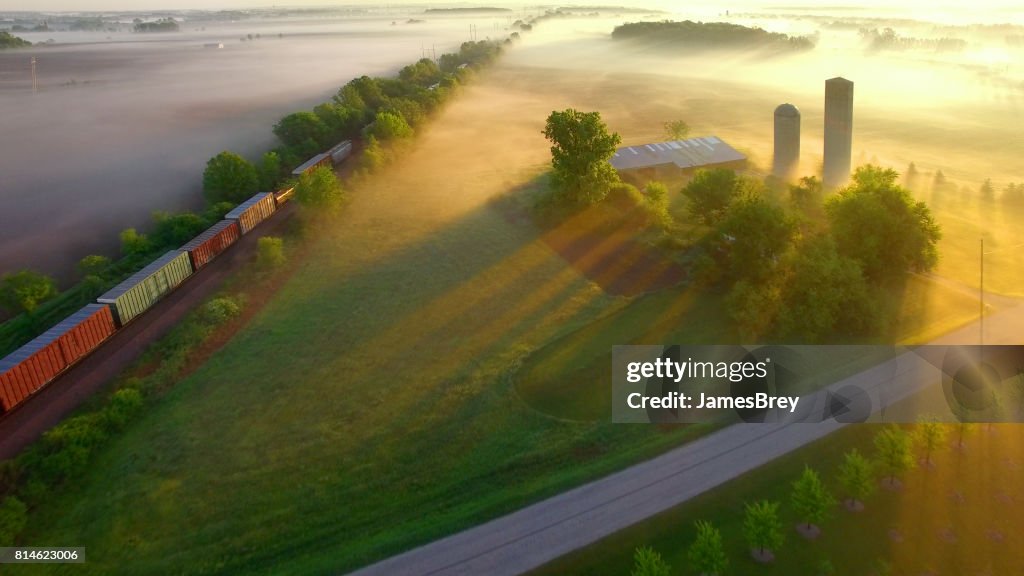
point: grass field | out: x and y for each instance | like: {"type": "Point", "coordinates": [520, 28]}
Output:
{"type": "Point", "coordinates": [370, 406]}
{"type": "Point", "coordinates": [366, 408]}
{"type": "Point", "coordinates": [952, 519]}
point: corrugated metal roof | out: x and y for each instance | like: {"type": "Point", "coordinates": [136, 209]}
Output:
{"type": "Point", "coordinates": [311, 162]}
{"type": "Point", "coordinates": [209, 233]}
{"type": "Point", "coordinates": [139, 276]}
{"type": "Point", "coordinates": [690, 153]}
{"type": "Point", "coordinates": [47, 338]}
{"type": "Point", "coordinates": [337, 147]}
{"type": "Point", "coordinates": [241, 208]}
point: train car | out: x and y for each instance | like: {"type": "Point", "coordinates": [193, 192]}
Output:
{"type": "Point", "coordinates": [147, 286]}
{"type": "Point", "coordinates": [312, 164]}
{"type": "Point", "coordinates": [340, 152]}
{"type": "Point", "coordinates": [37, 363]}
{"type": "Point", "coordinates": [282, 196]}
{"type": "Point", "coordinates": [216, 239]}
{"type": "Point", "coordinates": [253, 211]}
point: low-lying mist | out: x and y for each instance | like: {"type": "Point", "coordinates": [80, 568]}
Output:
{"type": "Point", "coordinates": [123, 123]}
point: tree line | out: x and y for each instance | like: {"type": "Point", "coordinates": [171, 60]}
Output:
{"type": "Point", "coordinates": [381, 111]}
{"type": "Point", "coordinates": [672, 34]}
{"type": "Point", "coordinates": [794, 265]}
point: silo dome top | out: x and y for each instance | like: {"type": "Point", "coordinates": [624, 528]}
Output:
{"type": "Point", "coordinates": [787, 110]}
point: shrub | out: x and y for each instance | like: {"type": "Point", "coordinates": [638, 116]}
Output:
{"type": "Point", "coordinates": [124, 404]}
{"type": "Point", "coordinates": [270, 252]}
{"type": "Point", "coordinates": [93, 265]}
{"type": "Point", "coordinates": [13, 517]}
{"type": "Point", "coordinates": [220, 310]}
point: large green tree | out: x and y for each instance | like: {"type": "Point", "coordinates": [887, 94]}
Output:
{"type": "Point", "coordinates": [299, 129]}
{"type": "Point", "coordinates": [25, 290]}
{"type": "Point", "coordinates": [269, 170]}
{"type": "Point", "coordinates": [424, 73]}
{"type": "Point", "coordinates": [893, 448]}
{"type": "Point", "coordinates": [389, 126]}
{"type": "Point", "coordinates": [758, 232]}
{"type": "Point", "coordinates": [172, 230]}
{"type": "Point", "coordinates": [229, 178]}
{"type": "Point", "coordinates": [319, 189]}
{"type": "Point", "coordinates": [826, 296]}
{"type": "Point", "coordinates": [762, 527]}
{"type": "Point", "coordinates": [581, 147]}
{"type": "Point", "coordinates": [707, 553]}
{"type": "Point", "coordinates": [877, 222]}
{"type": "Point", "coordinates": [812, 502]}
{"type": "Point", "coordinates": [856, 475]}
{"type": "Point", "coordinates": [710, 192]}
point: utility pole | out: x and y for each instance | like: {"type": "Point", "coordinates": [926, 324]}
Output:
{"type": "Point", "coordinates": [981, 289]}
{"type": "Point", "coordinates": [33, 62]}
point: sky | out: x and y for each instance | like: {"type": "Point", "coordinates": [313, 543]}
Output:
{"type": "Point", "coordinates": [101, 5]}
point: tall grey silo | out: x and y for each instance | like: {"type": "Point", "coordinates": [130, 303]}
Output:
{"type": "Point", "coordinates": [787, 141]}
{"type": "Point", "coordinates": [838, 132]}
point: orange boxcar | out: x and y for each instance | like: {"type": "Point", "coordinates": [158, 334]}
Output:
{"type": "Point", "coordinates": [35, 364]}
{"type": "Point", "coordinates": [205, 247]}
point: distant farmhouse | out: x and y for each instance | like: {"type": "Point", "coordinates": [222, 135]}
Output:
{"type": "Point", "coordinates": [666, 160]}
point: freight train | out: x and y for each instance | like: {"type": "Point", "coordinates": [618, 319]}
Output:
{"type": "Point", "coordinates": [31, 367]}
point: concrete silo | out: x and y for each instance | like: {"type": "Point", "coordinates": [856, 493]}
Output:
{"type": "Point", "coordinates": [787, 141]}
{"type": "Point", "coordinates": [838, 132]}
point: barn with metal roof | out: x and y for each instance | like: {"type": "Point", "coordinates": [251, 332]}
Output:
{"type": "Point", "coordinates": [675, 157]}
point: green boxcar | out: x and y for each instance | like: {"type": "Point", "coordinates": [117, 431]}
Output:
{"type": "Point", "coordinates": [138, 293]}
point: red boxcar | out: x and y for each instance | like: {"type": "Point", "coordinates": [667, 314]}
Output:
{"type": "Point", "coordinates": [35, 364]}
{"type": "Point", "coordinates": [212, 242]}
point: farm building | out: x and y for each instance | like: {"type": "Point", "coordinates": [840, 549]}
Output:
{"type": "Point", "coordinates": [666, 160]}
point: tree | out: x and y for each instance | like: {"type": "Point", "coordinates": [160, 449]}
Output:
{"type": "Point", "coordinates": [762, 527]}
{"type": "Point", "coordinates": [647, 562]}
{"type": "Point", "coordinates": [93, 265]}
{"type": "Point", "coordinates": [300, 128]}
{"type": "Point", "coordinates": [270, 252]}
{"type": "Point", "coordinates": [892, 445]}
{"type": "Point", "coordinates": [707, 554]}
{"type": "Point", "coordinates": [939, 183]}
{"type": "Point", "coordinates": [752, 309]}
{"type": "Point", "coordinates": [877, 223]}
{"type": "Point", "coordinates": [910, 179]}
{"type": "Point", "coordinates": [132, 242]}
{"type": "Point", "coordinates": [24, 291]}
{"type": "Point", "coordinates": [580, 151]}
{"type": "Point", "coordinates": [758, 232]}
{"type": "Point", "coordinates": [826, 296]}
{"type": "Point", "coordinates": [807, 195]}
{"type": "Point", "coordinates": [677, 130]}
{"type": "Point", "coordinates": [856, 477]}
{"type": "Point", "coordinates": [710, 192]}
{"type": "Point", "coordinates": [389, 126]}
{"type": "Point", "coordinates": [342, 121]}
{"type": "Point", "coordinates": [175, 229]}
{"type": "Point", "coordinates": [988, 191]}
{"type": "Point", "coordinates": [229, 178]}
{"type": "Point", "coordinates": [319, 189]}
{"type": "Point", "coordinates": [423, 73]}
{"type": "Point", "coordinates": [929, 433]}
{"type": "Point", "coordinates": [373, 157]}
{"type": "Point", "coordinates": [269, 170]}
{"type": "Point", "coordinates": [812, 502]}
